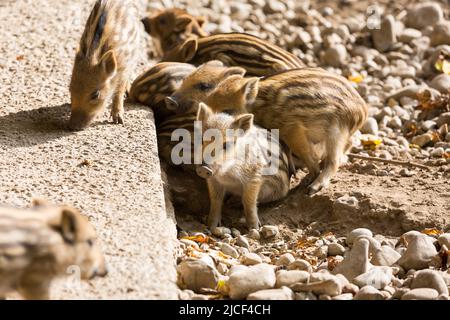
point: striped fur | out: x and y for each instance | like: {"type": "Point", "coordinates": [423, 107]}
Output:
{"type": "Point", "coordinates": [258, 57]}
{"type": "Point", "coordinates": [172, 27]}
{"type": "Point", "coordinates": [160, 81]}
{"type": "Point", "coordinates": [106, 57]}
{"type": "Point", "coordinates": [316, 111]}
{"type": "Point", "coordinates": [40, 244]}
{"type": "Point", "coordinates": [243, 173]}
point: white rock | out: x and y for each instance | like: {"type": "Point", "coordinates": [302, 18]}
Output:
{"type": "Point", "coordinates": [283, 293]}
{"type": "Point", "coordinates": [429, 279]}
{"type": "Point", "coordinates": [369, 293]}
{"type": "Point", "coordinates": [305, 296]}
{"type": "Point", "coordinates": [437, 152]}
{"type": "Point", "coordinates": [348, 201]}
{"type": "Point", "coordinates": [344, 296]}
{"type": "Point", "coordinates": [197, 274]}
{"type": "Point", "coordinates": [377, 277]}
{"type": "Point", "coordinates": [269, 231]}
{"type": "Point", "coordinates": [229, 250]}
{"type": "Point", "coordinates": [424, 15]}
{"type": "Point", "coordinates": [444, 239]}
{"type": "Point", "coordinates": [251, 259]}
{"type": "Point", "coordinates": [335, 56]}
{"type": "Point", "coordinates": [360, 232]}
{"type": "Point", "coordinates": [290, 277]}
{"type": "Point", "coordinates": [300, 265]}
{"type": "Point", "coordinates": [254, 234]}
{"type": "Point", "coordinates": [221, 231]}
{"type": "Point", "coordinates": [441, 83]}
{"type": "Point", "coordinates": [421, 294]}
{"type": "Point", "coordinates": [246, 280]}
{"type": "Point", "coordinates": [242, 241]}
{"type": "Point", "coordinates": [419, 253]}
{"type": "Point", "coordinates": [370, 126]}
{"type": "Point", "coordinates": [331, 287]}
{"type": "Point", "coordinates": [356, 261]}
{"type": "Point", "coordinates": [285, 260]}
{"type": "Point", "coordinates": [385, 37]}
{"type": "Point", "coordinates": [384, 256]}
{"type": "Point", "coordinates": [409, 34]}
{"type": "Point", "coordinates": [335, 249]}
{"type": "Point", "coordinates": [422, 140]}
{"type": "Point", "coordinates": [440, 34]}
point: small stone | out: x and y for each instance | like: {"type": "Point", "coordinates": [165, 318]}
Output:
{"type": "Point", "coordinates": [350, 288]}
{"type": "Point", "coordinates": [331, 287]}
{"type": "Point", "coordinates": [189, 243]}
{"type": "Point", "coordinates": [300, 265]}
{"type": "Point", "coordinates": [370, 126]}
{"type": "Point", "coordinates": [385, 36]}
{"type": "Point", "coordinates": [254, 234]}
{"type": "Point", "coordinates": [242, 241]}
{"type": "Point", "coordinates": [441, 83]}
{"type": "Point", "coordinates": [283, 293]}
{"type": "Point", "coordinates": [377, 277]}
{"type": "Point", "coordinates": [269, 231]}
{"type": "Point", "coordinates": [344, 296]}
{"type": "Point", "coordinates": [347, 201]}
{"type": "Point", "coordinates": [406, 173]}
{"type": "Point", "coordinates": [221, 231]}
{"type": "Point", "coordinates": [290, 277]}
{"type": "Point", "coordinates": [222, 268]}
{"type": "Point", "coordinates": [335, 56]}
{"type": "Point", "coordinates": [443, 119]}
{"type": "Point", "coordinates": [422, 140]}
{"type": "Point", "coordinates": [285, 260]}
{"type": "Point", "coordinates": [437, 152]}
{"type": "Point", "coordinates": [384, 256]}
{"type": "Point", "coordinates": [246, 280]}
{"type": "Point", "coordinates": [424, 15]}
{"type": "Point", "coordinates": [444, 239]}
{"type": "Point", "coordinates": [305, 296]}
{"type": "Point", "coordinates": [229, 250]}
{"type": "Point", "coordinates": [360, 232]}
{"type": "Point", "coordinates": [235, 232]}
{"type": "Point", "coordinates": [421, 294]}
{"type": "Point", "coordinates": [250, 259]}
{"type": "Point", "coordinates": [395, 123]}
{"type": "Point", "coordinates": [419, 253]}
{"type": "Point", "coordinates": [369, 293]}
{"type": "Point", "coordinates": [321, 252]}
{"type": "Point", "coordinates": [429, 279]}
{"type": "Point", "coordinates": [440, 34]}
{"type": "Point", "coordinates": [409, 34]}
{"type": "Point", "coordinates": [197, 274]}
{"type": "Point", "coordinates": [335, 249]}
{"type": "Point", "coordinates": [356, 261]}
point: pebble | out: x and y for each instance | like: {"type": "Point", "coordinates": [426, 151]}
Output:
{"type": "Point", "coordinates": [440, 34]}
{"type": "Point", "coordinates": [221, 231]}
{"type": "Point", "coordinates": [285, 259]}
{"type": "Point", "coordinates": [406, 173]}
{"type": "Point", "coordinates": [348, 201]}
{"type": "Point", "coordinates": [420, 294]}
{"type": "Point", "coordinates": [370, 126]}
{"type": "Point", "coordinates": [444, 239]}
{"type": "Point", "coordinates": [242, 241]}
{"type": "Point", "coordinates": [385, 36]}
{"type": "Point", "coordinates": [441, 82]}
{"type": "Point", "coordinates": [250, 259]}
{"type": "Point", "coordinates": [437, 152]}
{"type": "Point", "coordinates": [283, 293]}
{"type": "Point", "coordinates": [384, 256]}
{"type": "Point", "coordinates": [360, 232]}
{"type": "Point", "coordinates": [422, 140]}
{"type": "Point", "coordinates": [305, 296]}
{"type": "Point", "coordinates": [229, 250]}
{"type": "Point", "coordinates": [419, 253]}
{"type": "Point", "coordinates": [377, 277]}
{"type": "Point", "coordinates": [336, 249]}
{"type": "Point", "coordinates": [356, 261]}
{"type": "Point", "coordinates": [197, 274]}
{"type": "Point", "coordinates": [246, 280]}
{"type": "Point", "coordinates": [369, 293]}
{"type": "Point", "coordinates": [424, 15]}
{"type": "Point", "coordinates": [331, 287]}
{"type": "Point", "coordinates": [429, 279]}
{"type": "Point", "coordinates": [290, 277]}
{"type": "Point", "coordinates": [335, 56]}
{"type": "Point", "coordinates": [409, 34]}
{"type": "Point", "coordinates": [300, 265]}
{"type": "Point", "coordinates": [269, 231]}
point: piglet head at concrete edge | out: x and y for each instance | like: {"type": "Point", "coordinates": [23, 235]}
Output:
{"type": "Point", "coordinates": [90, 88]}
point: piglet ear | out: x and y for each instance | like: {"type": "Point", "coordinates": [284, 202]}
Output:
{"type": "Point", "coordinates": [204, 112]}
{"type": "Point", "coordinates": [109, 63]}
{"type": "Point", "coordinates": [182, 22]}
{"type": "Point", "coordinates": [188, 50]}
{"type": "Point", "coordinates": [214, 63]}
{"type": "Point", "coordinates": [250, 90]}
{"type": "Point", "coordinates": [243, 122]}
{"type": "Point", "coordinates": [70, 224]}
{"type": "Point", "coordinates": [233, 71]}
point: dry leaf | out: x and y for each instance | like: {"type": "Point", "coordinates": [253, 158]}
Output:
{"type": "Point", "coordinates": [199, 239]}
{"type": "Point", "coordinates": [432, 232]}
{"type": "Point", "coordinates": [20, 57]}
{"type": "Point", "coordinates": [358, 78]}
{"type": "Point", "coordinates": [371, 143]}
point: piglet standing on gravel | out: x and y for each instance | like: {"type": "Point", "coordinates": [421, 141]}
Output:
{"type": "Point", "coordinates": [106, 56]}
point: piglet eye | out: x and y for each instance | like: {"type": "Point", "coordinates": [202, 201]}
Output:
{"type": "Point", "coordinates": [90, 242]}
{"type": "Point", "coordinates": [204, 86]}
{"type": "Point", "coordinates": [95, 95]}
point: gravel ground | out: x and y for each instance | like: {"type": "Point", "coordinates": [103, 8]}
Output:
{"type": "Point", "coordinates": [121, 188]}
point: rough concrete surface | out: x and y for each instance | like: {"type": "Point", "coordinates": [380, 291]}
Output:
{"type": "Point", "coordinates": [120, 188]}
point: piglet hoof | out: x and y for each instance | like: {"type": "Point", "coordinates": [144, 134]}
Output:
{"type": "Point", "coordinates": [117, 119]}
{"type": "Point", "coordinates": [314, 188]}
{"type": "Point", "coordinates": [204, 172]}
